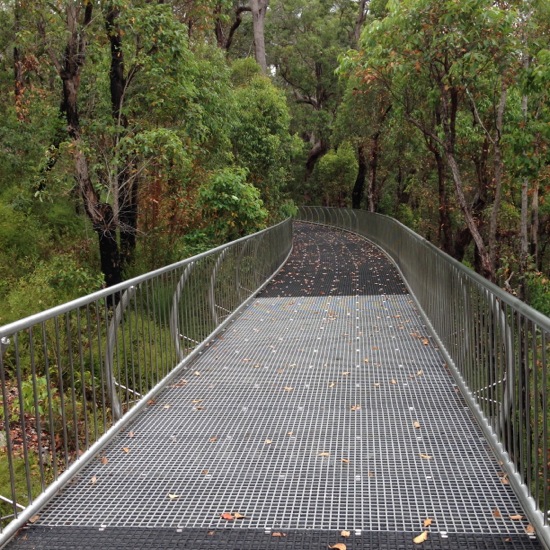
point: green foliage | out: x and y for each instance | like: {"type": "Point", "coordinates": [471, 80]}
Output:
{"type": "Point", "coordinates": [335, 175]}
{"type": "Point", "coordinates": [231, 206]}
{"type": "Point", "coordinates": [538, 291]}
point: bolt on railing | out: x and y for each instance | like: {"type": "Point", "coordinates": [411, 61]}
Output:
{"type": "Point", "coordinates": [498, 348]}
{"type": "Point", "coordinates": [69, 374]}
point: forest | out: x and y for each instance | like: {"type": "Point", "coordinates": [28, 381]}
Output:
{"type": "Point", "coordinates": [136, 133]}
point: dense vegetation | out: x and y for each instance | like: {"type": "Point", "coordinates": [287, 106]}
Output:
{"type": "Point", "coordinates": [135, 133]}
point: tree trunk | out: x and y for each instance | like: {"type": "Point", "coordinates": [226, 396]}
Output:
{"type": "Point", "coordinates": [320, 147]}
{"type": "Point", "coordinates": [101, 215]}
{"type": "Point", "coordinates": [444, 230]}
{"type": "Point", "coordinates": [361, 16]}
{"type": "Point", "coordinates": [259, 9]}
{"type": "Point", "coordinates": [359, 187]}
{"type": "Point", "coordinates": [498, 171]}
{"type": "Point", "coordinates": [125, 215]}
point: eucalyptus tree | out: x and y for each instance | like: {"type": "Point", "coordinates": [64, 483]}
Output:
{"type": "Point", "coordinates": [434, 59]}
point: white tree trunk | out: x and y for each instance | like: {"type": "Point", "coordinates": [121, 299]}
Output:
{"type": "Point", "coordinates": [259, 9]}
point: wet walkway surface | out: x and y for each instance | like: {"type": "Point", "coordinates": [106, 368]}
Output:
{"type": "Point", "coordinates": [324, 407]}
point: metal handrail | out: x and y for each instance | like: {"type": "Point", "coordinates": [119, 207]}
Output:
{"type": "Point", "coordinates": [492, 342]}
{"type": "Point", "coordinates": [72, 376]}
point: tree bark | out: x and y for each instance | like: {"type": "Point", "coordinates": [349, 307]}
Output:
{"type": "Point", "coordinates": [359, 186]}
{"type": "Point", "coordinates": [259, 10]}
{"type": "Point", "coordinates": [101, 215]}
{"type": "Point", "coordinates": [319, 148]}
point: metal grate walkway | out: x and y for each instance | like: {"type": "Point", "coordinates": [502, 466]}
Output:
{"type": "Point", "coordinates": [324, 407]}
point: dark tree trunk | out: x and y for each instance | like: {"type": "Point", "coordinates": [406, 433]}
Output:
{"type": "Point", "coordinates": [445, 233]}
{"type": "Point", "coordinates": [127, 194]}
{"type": "Point", "coordinates": [359, 187]}
{"type": "Point", "coordinates": [319, 148]}
{"type": "Point", "coordinates": [101, 215]}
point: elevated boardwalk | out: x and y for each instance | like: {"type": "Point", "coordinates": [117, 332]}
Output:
{"type": "Point", "coordinates": [325, 406]}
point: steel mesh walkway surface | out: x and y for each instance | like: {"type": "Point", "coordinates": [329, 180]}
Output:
{"type": "Point", "coordinates": [324, 407]}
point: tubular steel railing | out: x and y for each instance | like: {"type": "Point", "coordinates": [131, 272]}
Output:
{"type": "Point", "coordinates": [72, 375]}
{"type": "Point", "coordinates": [497, 347]}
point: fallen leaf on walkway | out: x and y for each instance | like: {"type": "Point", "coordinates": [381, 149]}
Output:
{"type": "Point", "coordinates": [345, 533]}
{"type": "Point", "coordinates": [375, 347]}
{"type": "Point", "coordinates": [427, 522]}
{"type": "Point", "coordinates": [393, 381]}
{"type": "Point", "coordinates": [423, 537]}
{"type": "Point", "coordinates": [268, 442]}
{"type": "Point", "coordinates": [425, 341]}
{"type": "Point", "coordinates": [425, 456]}
{"type": "Point", "coordinates": [34, 518]}
{"type": "Point", "coordinates": [356, 407]}
{"type": "Point", "coordinates": [346, 373]}
{"type": "Point", "coordinates": [213, 439]}
{"type": "Point", "coordinates": [288, 388]}
{"type": "Point", "coordinates": [366, 359]}
{"type": "Point", "coordinates": [151, 402]}
{"type": "Point", "coordinates": [104, 460]}
{"type": "Point", "coordinates": [180, 384]}
{"type": "Point", "coordinates": [199, 408]}
{"type": "Point", "coordinates": [504, 479]}
{"type": "Point", "coordinates": [530, 530]}
{"type": "Point", "coordinates": [197, 401]}
{"type": "Point", "coordinates": [420, 373]}
{"type": "Point", "coordinates": [93, 481]}
{"type": "Point", "coordinates": [280, 371]}
{"type": "Point", "coordinates": [339, 546]}
{"type": "Point", "coordinates": [227, 516]}
{"type": "Point", "coordinates": [416, 424]}
{"type": "Point", "coordinates": [345, 460]}
{"type": "Point", "coordinates": [332, 384]}
{"type": "Point", "coordinates": [166, 406]}
{"type": "Point", "coordinates": [278, 534]}
{"type": "Point", "coordinates": [126, 449]}
{"type": "Point", "coordinates": [289, 433]}
{"type": "Point", "coordinates": [371, 474]}
{"type": "Point", "coordinates": [324, 453]}
{"type": "Point", "coordinates": [376, 384]}
{"type": "Point", "coordinates": [197, 373]}
{"type": "Point", "coordinates": [236, 515]}
{"type": "Point", "coordinates": [131, 434]}
{"type": "Point", "coordinates": [516, 517]}
{"type": "Point", "coordinates": [496, 513]}
{"type": "Point", "coordinates": [173, 496]}
{"type": "Point", "coordinates": [204, 472]}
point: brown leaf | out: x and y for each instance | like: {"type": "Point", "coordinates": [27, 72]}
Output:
{"type": "Point", "coordinates": [420, 373]}
{"type": "Point", "coordinates": [34, 518]}
{"type": "Point", "coordinates": [496, 513]}
{"type": "Point", "coordinates": [504, 479]}
{"type": "Point", "coordinates": [288, 388]}
{"type": "Point", "coordinates": [339, 546]}
{"type": "Point", "coordinates": [530, 530]}
{"type": "Point", "coordinates": [151, 402]}
{"type": "Point", "coordinates": [131, 434]}
{"type": "Point", "coordinates": [376, 384]}
{"type": "Point", "coordinates": [345, 460]}
{"type": "Point", "coordinates": [199, 408]}
{"type": "Point", "coordinates": [268, 442]}
{"type": "Point", "coordinates": [345, 533]}
{"type": "Point", "coordinates": [93, 481]}
{"type": "Point", "coordinates": [416, 424]}
{"type": "Point", "coordinates": [393, 381]}
{"type": "Point", "coordinates": [278, 534]}
{"type": "Point", "coordinates": [366, 359]}
{"type": "Point", "coordinates": [425, 456]}
{"type": "Point", "coordinates": [204, 472]}
{"type": "Point", "coordinates": [346, 373]}
{"type": "Point", "coordinates": [428, 522]}
{"type": "Point", "coordinates": [371, 474]}
{"type": "Point", "coordinates": [126, 449]}
{"type": "Point", "coordinates": [213, 439]}
{"type": "Point", "coordinates": [173, 496]}
{"type": "Point", "coordinates": [236, 515]}
{"type": "Point", "coordinates": [104, 460]}
{"type": "Point", "coordinates": [423, 537]}
{"type": "Point", "coordinates": [166, 406]}
{"type": "Point", "coordinates": [228, 516]}
{"type": "Point", "coordinates": [356, 407]}
{"type": "Point", "coordinates": [324, 453]}
{"type": "Point", "coordinates": [195, 401]}
{"type": "Point", "coordinates": [332, 384]}
{"type": "Point", "coordinates": [516, 517]}
{"type": "Point", "coordinates": [197, 373]}
{"type": "Point", "coordinates": [425, 341]}
{"type": "Point", "coordinates": [289, 433]}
